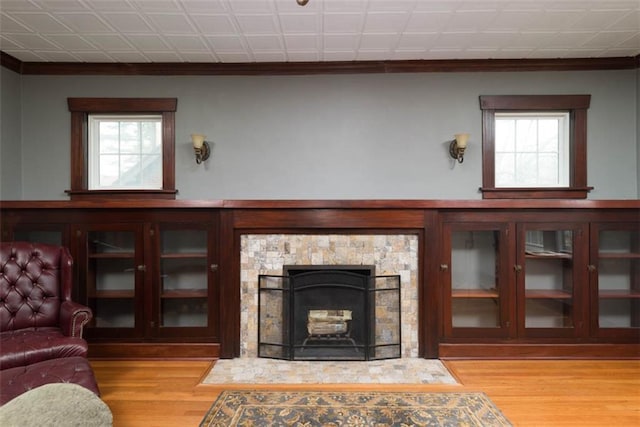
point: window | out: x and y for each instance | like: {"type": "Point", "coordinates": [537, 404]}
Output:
{"type": "Point", "coordinates": [125, 152]}
{"type": "Point", "coordinates": [534, 146]}
{"type": "Point", "coordinates": [532, 149]}
{"type": "Point", "coordinates": [122, 147]}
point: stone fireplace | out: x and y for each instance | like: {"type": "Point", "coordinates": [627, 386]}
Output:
{"type": "Point", "coordinates": [389, 254]}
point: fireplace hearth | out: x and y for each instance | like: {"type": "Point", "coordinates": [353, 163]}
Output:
{"type": "Point", "coordinates": [334, 312]}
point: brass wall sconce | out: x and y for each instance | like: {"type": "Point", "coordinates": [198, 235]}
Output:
{"type": "Point", "coordinates": [201, 147]}
{"type": "Point", "coordinates": [458, 145]}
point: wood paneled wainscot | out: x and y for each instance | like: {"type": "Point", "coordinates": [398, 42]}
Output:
{"type": "Point", "coordinates": [497, 278]}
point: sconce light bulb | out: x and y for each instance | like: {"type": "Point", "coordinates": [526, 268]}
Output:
{"type": "Point", "coordinates": [197, 139]}
{"type": "Point", "coordinates": [462, 139]}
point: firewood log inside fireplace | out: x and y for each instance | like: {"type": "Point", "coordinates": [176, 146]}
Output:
{"type": "Point", "coordinates": [328, 322]}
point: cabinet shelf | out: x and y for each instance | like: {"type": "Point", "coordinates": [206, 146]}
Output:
{"type": "Point", "coordinates": [618, 294]}
{"type": "Point", "coordinates": [112, 255]}
{"type": "Point", "coordinates": [185, 293]}
{"type": "Point", "coordinates": [112, 294]}
{"type": "Point", "coordinates": [475, 293]}
{"type": "Point", "coordinates": [183, 255]}
{"type": "Point", "coordinates": [618, 255]}
{"type": "Point", "coordinates": [547, 255]}
{"type": "Point", "coordinates": [547, 294]}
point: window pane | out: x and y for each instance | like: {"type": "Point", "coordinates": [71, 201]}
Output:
{"type": "Point", "coordinates": [548, 139]}
{"type": "Point", "coordinates": [130, 171]}
{"type": "Point", "coordinates": [109, 170]}
{"type": "Point", "coordinates": [151, 137]}
{"type": "Point", "coordinates": [548, 169]}
{"type": "Point", "coordinates": [505, 169]}
{"type": "Point", "coordinates": [152, 170]}
{"type": "Point", "coordinates": [109, 137]}
{"type": "Point", "coordinates": [526, 169]}
{"type": "Point", "coordinates": [526, 136]}
{"type": "Point", "coordinates": [505, 135]}
{"type": "Point", "coordinates": [129, 137]}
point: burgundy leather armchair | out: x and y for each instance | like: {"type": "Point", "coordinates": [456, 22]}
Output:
{"type": "Point", "coordinates": [38, 320]}
{"type": "Point", "coordinates": [40, 327]}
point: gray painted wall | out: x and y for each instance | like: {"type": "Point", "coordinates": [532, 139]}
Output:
{"type": "Point", "coordinates": [10, 135]}
{"type": "Point", "coordinates": [378, 136]}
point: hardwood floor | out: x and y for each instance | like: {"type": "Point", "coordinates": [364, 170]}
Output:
{"type": "Point", "coordinates": [529, 393]}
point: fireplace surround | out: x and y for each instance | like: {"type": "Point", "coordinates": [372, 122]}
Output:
{"type": "Point", "coordinates": [268, 254]}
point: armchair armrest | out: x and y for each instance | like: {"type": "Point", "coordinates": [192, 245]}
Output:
{"type": "Point", "coordinates": [73, 317]}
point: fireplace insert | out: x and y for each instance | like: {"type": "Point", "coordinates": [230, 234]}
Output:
{"type": "Point", "coordinates": [329, 313]}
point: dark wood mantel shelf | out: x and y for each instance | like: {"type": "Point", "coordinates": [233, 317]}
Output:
{"type": "Point", "coordinates": [325, 204]}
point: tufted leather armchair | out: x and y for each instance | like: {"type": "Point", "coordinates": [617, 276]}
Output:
{"type": "Point", "coordinates": [38, 320]}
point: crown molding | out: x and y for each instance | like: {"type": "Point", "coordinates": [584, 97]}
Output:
{"type": "Point", "coordinates": [329, 67]}
{"type": "Point", "coordinates": [10, 63]}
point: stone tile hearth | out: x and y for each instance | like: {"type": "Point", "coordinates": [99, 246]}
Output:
{"type": "Point", "coordinates": [250, 370]}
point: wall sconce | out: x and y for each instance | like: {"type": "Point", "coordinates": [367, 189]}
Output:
{"type": "Point", "coordinates": [201, 147]}
{"type": "Point", "coordinates": [458, 145]}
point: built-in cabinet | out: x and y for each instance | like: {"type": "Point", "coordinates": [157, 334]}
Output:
{"type": "Point", "coordinates": [505, 280]}
{"type": "Point", "coordinates": [149, 276]}
{"type": "Point", "coordinates": [152, 280]}
{"type": "Point", "coordinates": [496, 279]}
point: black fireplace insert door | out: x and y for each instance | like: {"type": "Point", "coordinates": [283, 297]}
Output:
{"type": "Point", "coordinates": [329, 315]}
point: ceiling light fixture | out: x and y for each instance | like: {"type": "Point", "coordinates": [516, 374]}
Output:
{"type": "Point", "coordinates": [302, 2]}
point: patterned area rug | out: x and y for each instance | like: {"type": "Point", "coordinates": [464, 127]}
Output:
{"type": "Point", "coordinates": [375, 409]}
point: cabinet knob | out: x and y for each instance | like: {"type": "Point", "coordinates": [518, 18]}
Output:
{"type": "Point", "coordinates": [444, 267]}
{"type": "Point", "coordinates": [517, 268]}
{"type": "Point", "coordinates": [214, 267]}
{"type": "Point", "coordinates": [591, 268]}
{"type": "Point", "coordinates": [142, 267]}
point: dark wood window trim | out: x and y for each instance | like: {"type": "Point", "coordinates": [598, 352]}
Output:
{"type": "Point", "coordinates": [576, 105]}
{"type": "Point", "coordinates": [81, 108]}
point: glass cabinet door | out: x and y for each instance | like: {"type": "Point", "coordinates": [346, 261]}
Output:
{"type": "Point", "coordinates": [475, 288]}
{"type": "Point", "coordinates": [549, 286]}
{"type": "Point", "coordinates": [114, 273]}
{"type": "Point", "coordinates": [184, 279]}
{"type": "Point", "coordinates": [615, 271]}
